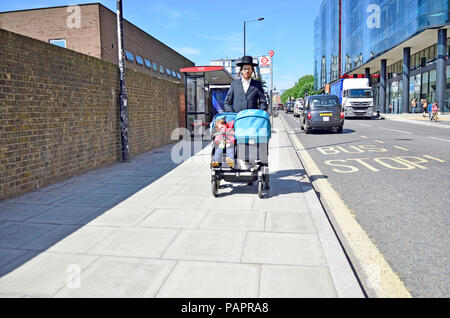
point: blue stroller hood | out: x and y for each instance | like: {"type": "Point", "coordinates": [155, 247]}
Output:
{"type": "Point", "coordinates": [228, 117]}
{"type": "Point", "coordinates": [252, 126]}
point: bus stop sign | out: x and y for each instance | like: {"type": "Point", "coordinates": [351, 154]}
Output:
{"type": "Point", "coordinates": [271, 53]}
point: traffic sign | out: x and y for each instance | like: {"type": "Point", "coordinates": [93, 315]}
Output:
{"type": "Point", "coordinates": [264, 61]}
{"type": "Point", "coordinates": [271, 53]}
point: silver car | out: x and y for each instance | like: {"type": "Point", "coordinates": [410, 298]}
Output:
{"type": "Point", "coordinates": [322, 112]}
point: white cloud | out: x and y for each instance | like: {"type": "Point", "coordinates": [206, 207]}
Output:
{"type": "Point", "coordinates": [188, 51]}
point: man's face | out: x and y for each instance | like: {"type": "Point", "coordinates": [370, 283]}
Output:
{"type": "Point", "coordinates": [247, 71]}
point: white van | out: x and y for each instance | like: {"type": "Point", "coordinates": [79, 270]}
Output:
{"type": "Point", "coordinates": [298, 107]}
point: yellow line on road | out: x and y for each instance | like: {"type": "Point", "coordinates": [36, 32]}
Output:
{"type": "Point", "coordinates": [433, 158]}
{"type": "Point", "coordinates": [377, 276]}
{"type": "Point", "coordinates": [401, 148]}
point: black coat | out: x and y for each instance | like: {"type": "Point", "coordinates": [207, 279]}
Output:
{"type": "Point", "coordinates": [237, 100]}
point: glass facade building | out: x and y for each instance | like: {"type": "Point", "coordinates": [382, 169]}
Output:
{"type": "Point", "coordinates": [353, 33]}
{"type": "Point", "coordinates": [326, 39]}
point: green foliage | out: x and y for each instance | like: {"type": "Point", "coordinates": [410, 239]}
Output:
{"type": "Point", "coordinates": [304, 85]}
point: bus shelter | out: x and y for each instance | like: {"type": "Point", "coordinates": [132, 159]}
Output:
{"type": "Point", "coordinates": [205, 90]}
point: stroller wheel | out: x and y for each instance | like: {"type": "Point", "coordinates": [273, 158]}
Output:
{"type": "Point", "coordinates": [266, 182]}
{"type": "Point", "coordinates": [260, 189]}
{"type": "Point", "coordinates": [215, 188]}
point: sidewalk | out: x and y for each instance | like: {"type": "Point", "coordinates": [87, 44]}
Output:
{"type": "Point", "coordinates": [151, 228]}
{"type": "Point", "coordinates": [418, 117]}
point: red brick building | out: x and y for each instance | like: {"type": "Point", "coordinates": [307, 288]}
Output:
{"type": "Point", "coordinates": [92, 29]}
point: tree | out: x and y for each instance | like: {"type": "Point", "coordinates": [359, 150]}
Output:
{"type": "Point", "coordinates": [304, 85]}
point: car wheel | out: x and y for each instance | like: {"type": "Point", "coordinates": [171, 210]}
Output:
{"type": "Point", "coordinates": [307, 129]}
{"type": "Point", "coordinates": [339, 129]}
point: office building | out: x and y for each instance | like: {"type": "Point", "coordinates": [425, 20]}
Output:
{"type": "Point", "coordinates": [402, 45]}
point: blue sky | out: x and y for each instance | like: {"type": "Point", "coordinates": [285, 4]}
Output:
{"type": "Point", "coordinates": [204, 30]}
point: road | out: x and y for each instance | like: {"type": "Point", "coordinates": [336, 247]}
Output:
{"type": "Point", "coordinates": [395, 178]}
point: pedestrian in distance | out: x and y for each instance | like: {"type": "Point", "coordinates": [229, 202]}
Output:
{"type": "Point", "coordinates": [413, 105]}
{"type": "Point", "coordinates": [391, 109]}
{"type": "Point", "coordinates": [434, 111]}
{"type": "Point", "coordinates": [245, 93]}
{"type": "Point", "coordinates": [430, 105]}
{"type": "Point", "coordinates": [424, 107]}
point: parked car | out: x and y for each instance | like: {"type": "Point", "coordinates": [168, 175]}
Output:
{"type": "Point", "coordinates": [322, 111]}
{"type": "Point", "coordinates": [298, 106]}
{"type": "Point", "coordinates": [289, 107]}
{"type": "Point", "coordinates": [279, 106]}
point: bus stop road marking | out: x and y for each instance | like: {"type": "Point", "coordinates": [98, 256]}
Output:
{"type": "Point", "coordinates": [375, 273]}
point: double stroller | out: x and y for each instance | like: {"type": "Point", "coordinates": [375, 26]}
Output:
{"type": "Point", "coordinates": [252, 131]}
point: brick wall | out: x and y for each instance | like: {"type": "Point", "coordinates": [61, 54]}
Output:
{"type": "Point", "coordinates": [52, 23]}
{"type": "Point", "coordinates": [91, 29]}
{"type": "Point", "coordinates": [59, 113]}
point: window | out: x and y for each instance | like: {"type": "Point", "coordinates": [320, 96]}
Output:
{"type": "Point", "coordinates": [179, 75]}
{"type": "Point", "coordinates": [161, 69]}
{"type": "Point", "coordinates": [148, 63]}
{"type": "Point", "coordinates": [139, 60]}
{"type": "Point", "coordinates": [58, 42]}
{"type": "Point", "coordinates": [174, 74]}
{"type": "Point", "coordinates": [168, 71]}
{"type": "Point", "coordinates": [155, 66]}
{"type": "Point", "coordinates": [129, 56]}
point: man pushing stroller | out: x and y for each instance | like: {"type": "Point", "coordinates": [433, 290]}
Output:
{"type": "Point", "coordinates": [244, 93]}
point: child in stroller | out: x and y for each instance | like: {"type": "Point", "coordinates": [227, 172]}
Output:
{"type": "Point", "coordinates": [223, 139]}
{"type": "Point", "coordinates": [248, 148]}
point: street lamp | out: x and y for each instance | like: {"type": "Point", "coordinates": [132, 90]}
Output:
{"type": "Point", "coordinates": [260, 19]}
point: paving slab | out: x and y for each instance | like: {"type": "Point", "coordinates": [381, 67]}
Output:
{"type": "Point", "coordinates": [296, 282]}
{"type": "Point", "coordinates": [297, 204]}
{"type": "Point", "coordinates": [289, 222]}
{"type": "Point", "coordinates": [8, 255]}
{"type": "Point", "coordinates": [211, 280]}
{"type": "Point", "coordinates": [36, 197]}
{"type": "Point", "coordinates": [120, 277]}
{"type": "Point", "coordinates": [91, 199]}
{"type": "Point", "coordinates": [237, 221]}
{"type": "Point", "coordinates": [45, 274]}
{"type": "Point", "coordinates": [219, 246]}
{"type": "Point", "coordinates": [177, 202]}
{"type": "Point", "coordinates": [67, 215]}
{"type": "Point", "coordinates": [173, 218]}
{"type": "Point", "coordinates": [228, 203]}
{"type": "Point", "coordinates": [21, 211]}
{"type": "Point", "coordinates": [283, 249]}
{"type": "Point", "coordinates": [135, 242]}
{"type": "Point", "coordinates": [121, 217]}
{"type": "Point", "coordinates": [14, 235]}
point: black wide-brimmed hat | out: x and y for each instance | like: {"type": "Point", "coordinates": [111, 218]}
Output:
{"type": "Point", "coordinates": [246, 60]}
